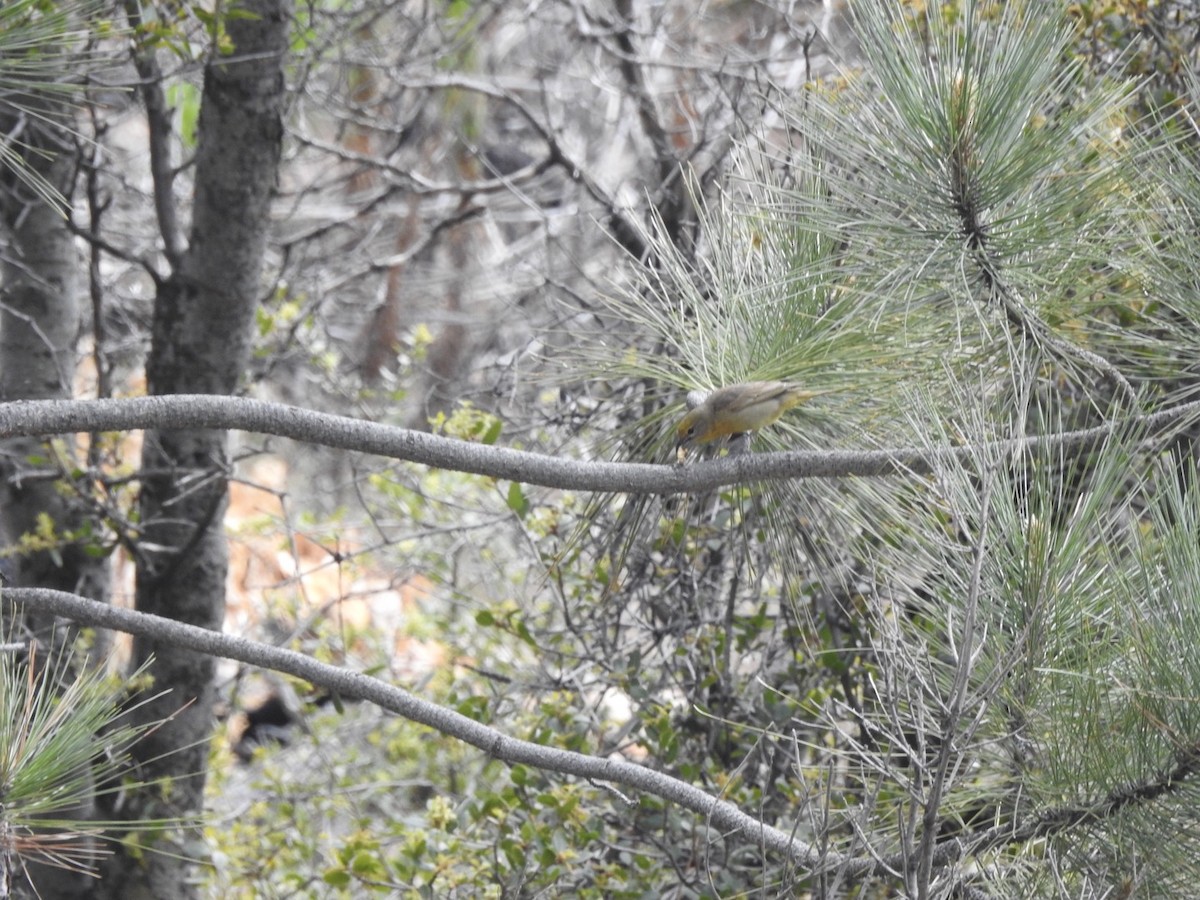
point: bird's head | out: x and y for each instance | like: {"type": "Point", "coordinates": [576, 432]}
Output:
{"type": "Point", "coordinates": [694, 428]}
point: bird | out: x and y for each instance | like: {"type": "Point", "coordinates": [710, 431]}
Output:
{"type": "Point", "coordinates": [736, 410]}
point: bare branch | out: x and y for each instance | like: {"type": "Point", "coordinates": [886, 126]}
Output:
{"type": "Point", "coordinates": [626, 230]}
{"type": "Point", "coordinates": [158, 120]}
{"type": "Point", "coordinates": [349, 684]}
{"type": "Point", "coordinates": [950, 740]}
{"type": "Point", "coordinates": [204, 411]}
{"type": "Point", "coordinates": [41, 418]}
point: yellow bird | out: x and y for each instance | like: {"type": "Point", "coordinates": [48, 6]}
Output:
{"type": "Point", "coordinates": [737, 410]}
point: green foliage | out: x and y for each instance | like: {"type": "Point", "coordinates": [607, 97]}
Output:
{"type": "Point", "coordinates": [41, 44]}
{"type": "Point", "coordinates": [184, 98]}
{"type": "Point", "coordinates": [37, 36]}
{"type": "Point", "coordinates": [176, 27]}
{"type": "Point", "coordinates": [49, 766]}
{"type": "Point", "coordinates": [95, 536]}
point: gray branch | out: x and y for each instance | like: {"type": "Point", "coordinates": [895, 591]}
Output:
{"type": "Point", "coordinates": [348, 684]}
{"type": "Point", "coordinates": [187, 411]}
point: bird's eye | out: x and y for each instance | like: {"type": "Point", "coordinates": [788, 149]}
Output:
{"type": "Point", "coordinates": [691, 432]}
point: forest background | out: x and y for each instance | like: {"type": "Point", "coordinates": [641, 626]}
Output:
{"type": "Point", "coordinates": [340, 349]}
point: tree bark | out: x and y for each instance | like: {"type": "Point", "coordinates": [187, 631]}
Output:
{"type": "Point", "coordinates": [201, 344]}
{"type": "Point", "coordinates": [39, 328]}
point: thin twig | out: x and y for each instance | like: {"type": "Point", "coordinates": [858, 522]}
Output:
{"type": "Point", "coordinates": [954, 712]}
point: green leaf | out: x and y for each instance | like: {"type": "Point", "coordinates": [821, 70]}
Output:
{"type": "Point", "coordinates": [492, 433]}
{"type": "Point", "coordinates": [337, 877]}
{"type": "Point", "coordinates": [524, 634]}
{"type": "Point", "coordinates": [517, 501]}
{"type": "Point", "coordinates": [473, 707]}
{"type": "Point", "coordinates": [185, 99]}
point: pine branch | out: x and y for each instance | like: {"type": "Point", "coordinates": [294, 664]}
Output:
{"type": "Point", "coordinates": [1054, 821]}
{"type": "Point", "coordinates": [1064, 818]}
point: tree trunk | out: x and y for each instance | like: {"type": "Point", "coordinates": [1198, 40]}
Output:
{"type": "Point", "coordinates": [201, 344]}
{"type": "Point", "coordinates": [39, 327]}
